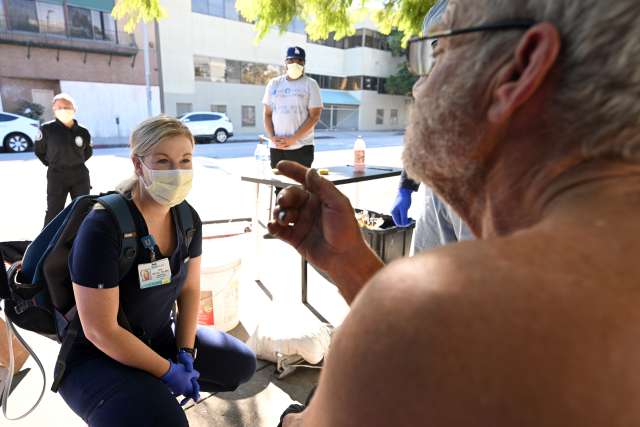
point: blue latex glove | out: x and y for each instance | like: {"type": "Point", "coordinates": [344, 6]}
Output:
{"type": "Point", "coordinates": [186, 359]}
{"type": "Point", "coordinates": [180, 380]}
{"type": "Point", "coordinates": [401, 206]}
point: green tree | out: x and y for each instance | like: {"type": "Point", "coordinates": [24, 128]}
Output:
{"type": "Point", "coordinates": [401, 83]}
{"type": "Point", "coordinates": [135, 11]}
{"type": "Point", "coordinates": [320, 16]}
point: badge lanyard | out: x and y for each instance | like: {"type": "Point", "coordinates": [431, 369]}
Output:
{"type": "Point", "coordinates": [149, 243]}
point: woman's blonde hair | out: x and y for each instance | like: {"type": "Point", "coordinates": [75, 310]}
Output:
{"type": "Point", "coordinates": [147, 135]}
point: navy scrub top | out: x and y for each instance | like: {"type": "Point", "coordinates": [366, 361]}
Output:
{"type": "Point", "coordinates": [93, 263]}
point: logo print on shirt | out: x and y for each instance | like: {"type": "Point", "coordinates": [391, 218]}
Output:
{"type": "Point", "coordinates": [287, 91]}
{"type": "Point", "coordinates": [79, 141]}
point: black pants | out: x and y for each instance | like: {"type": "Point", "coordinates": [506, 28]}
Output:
{"type": "Point", "coordinates": [61, 182]}
{"type": "Point", "coordinates": [106, 393]}
{"type": "Point", "coordinates": [303, 155]}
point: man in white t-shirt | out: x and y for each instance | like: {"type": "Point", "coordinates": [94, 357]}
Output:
{"type": "Point", "coordinates": [292, 107]}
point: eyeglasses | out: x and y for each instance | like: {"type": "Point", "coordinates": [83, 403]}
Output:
{"type": "Point", "coordinates": [420, 50]}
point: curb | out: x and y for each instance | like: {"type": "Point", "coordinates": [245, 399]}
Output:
{"type": "Point", "coordinates": [232, 140]}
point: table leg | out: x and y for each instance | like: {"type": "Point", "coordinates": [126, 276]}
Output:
{"type": "Point", "coordinates": [303, 279]}
{"type": "Point", "coordinates": [255, 224]}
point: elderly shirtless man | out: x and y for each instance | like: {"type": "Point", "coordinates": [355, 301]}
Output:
{"type": "Point", "coordinates": [532, 134]}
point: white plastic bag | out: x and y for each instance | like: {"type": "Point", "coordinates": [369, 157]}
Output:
{"type": "Point", "coordinates": [290, 330]}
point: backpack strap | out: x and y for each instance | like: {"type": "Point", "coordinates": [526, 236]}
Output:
{"type": "Point", "coordinates": [117, 206]}
{"type": "Point", "coordinates": [73, 329]}
{"type": "Point", "coordinates": [185, 219]}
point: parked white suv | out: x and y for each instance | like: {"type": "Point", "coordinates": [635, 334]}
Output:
{"type": "Point", "coordinates": [17, 133]}
{"type": "Point", "coordinates": [208, 126]}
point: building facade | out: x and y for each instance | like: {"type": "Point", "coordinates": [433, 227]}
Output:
{"type": "Point", "coordinates": [75, 46]}
{"type": "Point", "coordinates": [211, 62]}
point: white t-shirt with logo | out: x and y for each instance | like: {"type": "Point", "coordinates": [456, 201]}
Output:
{"type": "Point", "coordinates": [290, 101]}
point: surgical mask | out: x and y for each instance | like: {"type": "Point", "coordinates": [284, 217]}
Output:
{"type": "Point", "coordinates": [64, 115]}
{"type": "Point", "coordinates": [294, 70]}
{"type": "Point", "coordinates": [168, 187]}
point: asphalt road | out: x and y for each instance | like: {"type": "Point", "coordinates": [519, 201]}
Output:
{"type": "Point", "coordinates": [232, 150]}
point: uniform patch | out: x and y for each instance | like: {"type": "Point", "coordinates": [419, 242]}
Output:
{"type": "Point", "coordinates": [79, 141]}
{"type": "Point", "coordinates": [39, 135]}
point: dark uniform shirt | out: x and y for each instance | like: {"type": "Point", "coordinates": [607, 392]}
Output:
{"type": "Point", "coordinates": [61, 147]}
{"type": "Point", "coordinates": [93, 263]}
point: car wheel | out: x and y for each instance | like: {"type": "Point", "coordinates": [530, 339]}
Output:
{"type": "Point", "coordinates": [221, 136]}
{"type": "Point", "coordinates": [16, 143]}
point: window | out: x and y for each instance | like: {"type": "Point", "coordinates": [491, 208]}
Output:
{"type": "Point", "coordinates": [23, 16]}
{"type": "Point", "coordinates": [6, 118]}
{"type": "Point", "coordinates": [248, 116]}
{"type": "Point", "coordinates": [110, 29]}
{"type": "Point", "coordinates": [200, 6]}
{"type": "Point", "coordinates": [219, 109]}
{"type": "Point", "coordinates": [183, 108]}
{"type": "Point", "coordinates": [354, 40]}
{"type": "Point", "coordinates": [203, 117]}
{"type": "Point", "coordinates": [369, 83]}
{"type": "Point", "coordinates": [362, 37]}
{"type": "Point", "coordinates": [253, 73]}
{"type": "Point", "coordinates": [258, 74]}
{"type": "Point", "coordinates": [201, 68]}
{"type": "Point", "coordinates": [209, 69]}
{"type": "Point", "coordinates": [230, 11]}
{"type": "Point", "coordinates": [98, 29]}
{"type": "Point", "coordinates": [230, 71]}
{"type": "Point", "coordinates": [50, 18]}
{"type": "Point", "coordinates": [382, 85]}
{"type": "Point", "coordinates": [233, 71]}
{"type": "Point", "coordinates": [394, 117]}
{"type": "Point", "coordinates": [379, 117]}
{"type": "Point", "coordinates": [80, 24]}
{"type": "Point", "coordinates": [216, 8]}
{"type": "Point", "coordinates": [354, 83]}
{"type": "Point", "coordinates": [222, 8]}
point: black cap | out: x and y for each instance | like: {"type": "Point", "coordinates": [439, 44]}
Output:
{"type": "Point", "coordinates": [296, 52]}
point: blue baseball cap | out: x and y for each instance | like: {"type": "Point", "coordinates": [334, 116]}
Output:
{"type": "Point", "coordinates": [434, 15]}
{"type": "Point", "coordinates": [296, 52]}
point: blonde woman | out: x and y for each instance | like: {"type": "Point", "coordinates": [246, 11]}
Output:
{"type": "Point", "coordinates": [130, 377]}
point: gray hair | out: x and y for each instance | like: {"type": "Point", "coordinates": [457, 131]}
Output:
{"type": "Point", "coordinates": [147, 135]}
{"type": "Point", "coordinates": [597, 97]}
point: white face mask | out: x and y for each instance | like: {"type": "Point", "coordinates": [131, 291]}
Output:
{"type": "Point", "coordinates": [168, 187]}
{"type": "Point", "coordinates": [294, 70]}
{"type": "Point", "coordinates": [64, 115]}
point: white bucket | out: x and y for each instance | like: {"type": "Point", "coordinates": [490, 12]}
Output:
{"type": "Point", "coordinates": [223, 282]}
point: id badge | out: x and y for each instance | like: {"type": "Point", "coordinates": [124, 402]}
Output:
{"type": "Point", "coordinates": [154, 274]}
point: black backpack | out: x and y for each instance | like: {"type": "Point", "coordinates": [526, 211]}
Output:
{"type": "Point", "coordinates": [39, 294]}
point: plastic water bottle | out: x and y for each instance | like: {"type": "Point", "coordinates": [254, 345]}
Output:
{"type": "Point", "coordinates": [262, 158]}
{"type": "Point", "coordinates": [359, 148]}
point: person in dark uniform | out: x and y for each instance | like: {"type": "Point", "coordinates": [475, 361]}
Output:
{"type": "Point", "coordinates": [131, 377]}
{"type": "Point", "coordinates": [64, 146]}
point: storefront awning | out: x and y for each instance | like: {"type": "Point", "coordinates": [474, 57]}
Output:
{"type": "Point", "coordinates": [338, 97]}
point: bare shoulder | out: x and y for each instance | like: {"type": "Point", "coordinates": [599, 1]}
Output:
{"type": "Point", "coordinates": [474, 334]}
